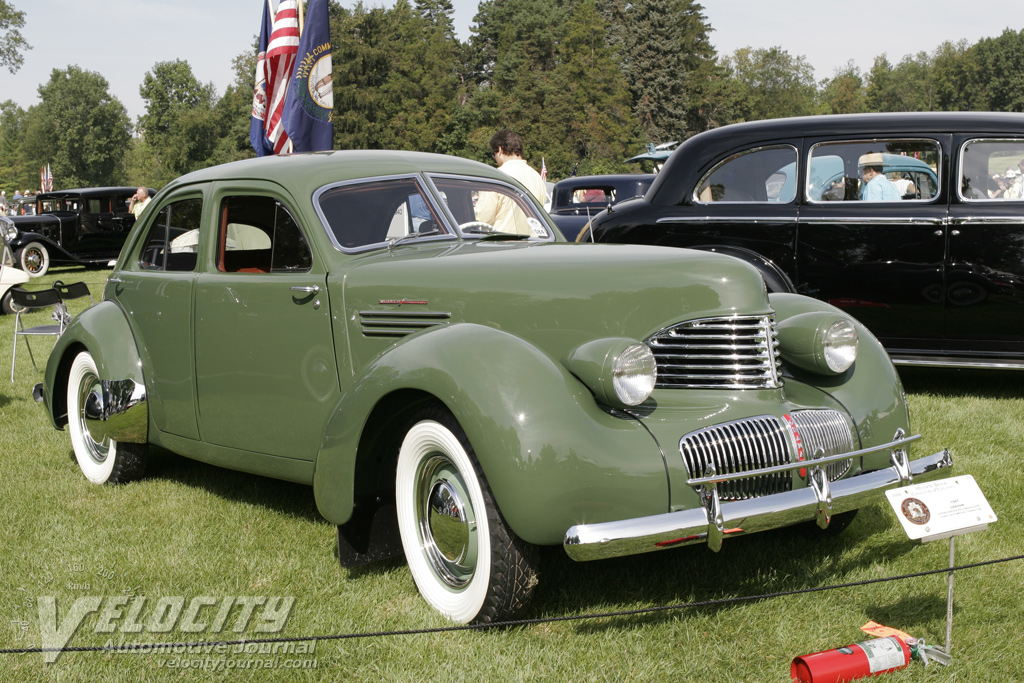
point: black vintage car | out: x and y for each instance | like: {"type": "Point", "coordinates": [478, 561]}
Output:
{"type": "Point", "coordinates": [576, 200]}
{"type": "Point", "coordinates": [935, 268]}
{"type": "Point", "coordinates": [86, 227]}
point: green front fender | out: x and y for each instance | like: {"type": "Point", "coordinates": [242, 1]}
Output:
{"type": "Point", "coordinates": [870, 391]}
{"type": "Point", "coordinates": [103, 331]}
{"type": "Point", "coordinates": [551, 455]}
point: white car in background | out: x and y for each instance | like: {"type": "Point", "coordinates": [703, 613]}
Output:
{"type": "Point", "coordinates": [10, 275]}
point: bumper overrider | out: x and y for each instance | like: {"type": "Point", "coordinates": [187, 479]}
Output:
{"type": "Point", "coordinates": [714, 520]}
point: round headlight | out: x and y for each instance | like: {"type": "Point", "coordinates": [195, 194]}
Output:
{"type": "Point", "coordinates": [634, 374]}
{"type": "Point", "coordinates": [840, 344]}
{"type": "Point", "coordinates": [10, 230]}
{"type": "Point", "coordinates": [620, 372]}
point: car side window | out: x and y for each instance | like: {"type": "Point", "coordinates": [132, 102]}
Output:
{"type": "Point", "coordinates": [259, 235]}
{"type": "Point", "coordinates": [765, 174]}
{"type": "Point", "coordinates": [992, 170]}
{"type": "Point", "coordinates": [364, 214]}
{"type": "Point", "coordinates": [173, 238]}
{"type": "Point", "coordinates": [873, 171]}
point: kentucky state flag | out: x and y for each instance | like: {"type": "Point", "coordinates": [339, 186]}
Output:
{"type": "Point", "coordinates": [257, 134]}
{"type": "Point", "coordinates": [309, 104]}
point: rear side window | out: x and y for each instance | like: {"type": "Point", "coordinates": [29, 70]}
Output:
{"type": "Point", "coordinates": [992, 170]}
{"type": "Point", "coordinates": [259, 235]}
{"type": "Point", "coordinates": [364, 214]}
{"type": "Point", "coordinates": [766, 174]}
{"type": "Point", "coordinates": [873, 171]}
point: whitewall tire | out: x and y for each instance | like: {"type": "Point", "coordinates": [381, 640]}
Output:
{"type": "Point", "coordinates": [34, 259]}
{"type": "Point", "coordinates": [466, 562]}
{"type": "Point", "coordinates": [102, 460]}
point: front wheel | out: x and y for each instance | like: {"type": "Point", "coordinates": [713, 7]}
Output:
{"type": "Point", "coordinates": [464, 559]}
{"type": "Point", "coordinates": [102, 460]}
{"type": "Point", "coordinates": [34, 259]}
{"type": "Point", "coordinates": [6, 305]}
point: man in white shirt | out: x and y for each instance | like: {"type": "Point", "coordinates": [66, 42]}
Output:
{"type": "Point", "coordinates": [497, 209]}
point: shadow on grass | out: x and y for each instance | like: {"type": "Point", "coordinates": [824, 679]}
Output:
{"type": "Point", "coordinates": [775, 561]}
{"type": "Point", "coordinates": [956, 382]}
{"type": "Point", "coordinates": [281, 496]}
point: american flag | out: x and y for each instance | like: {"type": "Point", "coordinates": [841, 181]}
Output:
{"type": "Point", "coordinates": [281, 51]}
{"type": "Point", "coordinates": [45, 179]}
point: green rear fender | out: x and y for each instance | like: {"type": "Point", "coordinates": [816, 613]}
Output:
{"type": "Point", "coordinates": [551, 456]}
{"type": "Point", "coordinates": [870, 391]}
{"type": "Point", "coordinates": [103, 331]}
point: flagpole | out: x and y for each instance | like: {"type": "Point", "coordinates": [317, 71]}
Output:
{"type": "Point", "coordinates": [300, 18]}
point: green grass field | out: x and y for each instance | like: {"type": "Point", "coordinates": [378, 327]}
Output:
{"type": "Point", "coordinates": [192, 531]}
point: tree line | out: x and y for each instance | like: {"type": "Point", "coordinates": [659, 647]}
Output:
{"type": "Point", "coordinates": [588, 83]}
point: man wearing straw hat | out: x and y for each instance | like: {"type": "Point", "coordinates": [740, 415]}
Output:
{"type": "Point", "coordinates": [876, 187]}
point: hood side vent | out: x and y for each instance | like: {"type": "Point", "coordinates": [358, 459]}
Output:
{"type": "Point", "coordinates": [398, 323]}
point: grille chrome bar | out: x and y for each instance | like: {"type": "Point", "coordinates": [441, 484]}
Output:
{"type": "Point", "coordinates": [829, 430]}
{"type": "Point", "coordinates": [737, 352]}
{"type": "Point", "coordinates": [735, 447]}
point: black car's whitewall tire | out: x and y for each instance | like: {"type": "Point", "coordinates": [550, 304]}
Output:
{"type": "Point", "coordinates": [34, 259]}
{"type": "Point", "coordinates": [465, 561]}
{"type": "Point", "coordinates": [103, 461]}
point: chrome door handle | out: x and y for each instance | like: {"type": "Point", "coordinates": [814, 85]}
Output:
{"type": "Point", "coordinates": [312, 289]}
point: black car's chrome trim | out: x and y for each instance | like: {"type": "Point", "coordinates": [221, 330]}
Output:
{"type": "Point", "coordinates": [886, 220]}
{"type": "Point", "coordinates": [711, 522]}
{"type": "Point", "coordinates": [726, 219]}
{"type": "Point", "coordinates": [117, 409]}
{"type": "Point", "coordinates": [954, 362]}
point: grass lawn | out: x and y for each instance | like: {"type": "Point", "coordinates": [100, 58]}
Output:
{"type": "Point", "coordinates": [191, 531]}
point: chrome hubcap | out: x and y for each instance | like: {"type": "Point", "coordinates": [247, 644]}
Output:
{"type": "Point", "coordinates": [446, 522]}
{"type": "Point", "coordinates": [33, 260]}
{"type": "Point", "coordinates": [90, 401]}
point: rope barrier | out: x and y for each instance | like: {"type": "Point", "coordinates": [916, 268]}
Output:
{"type": "Point", "coordinates": [158, 647]}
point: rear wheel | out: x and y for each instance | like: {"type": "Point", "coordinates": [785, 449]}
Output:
{"type": "Point", "coordinates": [6, 306]}
{"type": "Point", "coordinates": [101, 459]}
{"type": "Point", "coordinates": [465, 560]}
{"type": "Point", "coordinates": [34, 259]}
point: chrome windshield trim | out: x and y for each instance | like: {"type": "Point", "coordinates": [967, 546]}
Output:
{"type": "Point", "coordinates": [881, 220]}
{"type": "Point", "coordinates": [800, 464]}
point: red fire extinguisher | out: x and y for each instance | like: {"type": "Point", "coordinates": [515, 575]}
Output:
{"type": "Point", "coordinates": [870, 658]}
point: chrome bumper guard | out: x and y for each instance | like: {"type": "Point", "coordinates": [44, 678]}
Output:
{"type": "Point", "coordinates": [713, 520]}
{"type": "Point", "coordinates": [117, 409]}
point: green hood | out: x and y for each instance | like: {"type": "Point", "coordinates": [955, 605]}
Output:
{"type": "Point", "coordinates": [557, 296]}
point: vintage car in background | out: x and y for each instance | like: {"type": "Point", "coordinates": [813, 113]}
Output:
{"type": "Point", "coordinates": [10, 275]}
{"type": "Point", "coordinates": [463, 395]}
{"type": "Point", "coordinates": [22, 206]}
{"type": "Point", "coordinates": [574, 201]}
{"type": "Point", "coordinates": [85, 227]}
{"type": "Point", "coordinates": [937, 276]}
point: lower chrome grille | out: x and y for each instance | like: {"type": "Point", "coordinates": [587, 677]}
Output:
{"type": "Point", "coordinates": [829, 430]}
{"type": "Point", "coordinates": [739, 446]}
{"type": "Point", "coordinates": [759, 442]}
{"type": "Point", "coordinates": [718, 353]}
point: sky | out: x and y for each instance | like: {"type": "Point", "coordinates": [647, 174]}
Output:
{"type": "Point", "coordinates": [123, 39]}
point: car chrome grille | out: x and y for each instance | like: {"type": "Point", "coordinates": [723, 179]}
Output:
{"type": "Point", "coordinates": [740, 446]}
{"type": "Point", "coordinates": [718, 353]}
{"type": "Point", "coordinates": [829, 430]}
{"type": "Point", "coordinates": [398, 324]}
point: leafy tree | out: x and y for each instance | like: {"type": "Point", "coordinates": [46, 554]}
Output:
{"type": "Point", "coordinates": [955, 78]}
{"type": "Point", "coordinates": [772, 84]}
{"type": "Point", "coordinates": [14, 171]}
{"type": "Point", "coordinates": [12, 44]}
{"type": "Point", "coordinates": [844, 93]}
{"type": "Point", "coordinates": [1000, 71]}
{"type": "Point", "coordinates": [180, 128]}
{"type": "Point", "coordinates": [905, 87]}
{"type": "Point", "coordinates": [79, 128]}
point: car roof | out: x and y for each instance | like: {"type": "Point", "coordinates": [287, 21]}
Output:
{"type": "Point", "coordinates": [85, 191]}
{"type": "Point", "coordinates": [310, 171]}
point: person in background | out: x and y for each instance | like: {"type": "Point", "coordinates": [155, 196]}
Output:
{"type": "Point", "coordinates": [140, 200]}
{"type": "Point", "coordinates": [500, 210]}
{"type": "Point", "coordinates": [876, 187]}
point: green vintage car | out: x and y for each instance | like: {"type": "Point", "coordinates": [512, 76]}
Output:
{"type": "Point", "coordinates": [348, 320]}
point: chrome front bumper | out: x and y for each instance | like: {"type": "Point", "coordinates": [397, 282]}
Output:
{"type": "Point", "coordinates": [713, 520]}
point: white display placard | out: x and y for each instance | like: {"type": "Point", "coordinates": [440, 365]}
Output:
{"type": "Point", "coordinates": [941, 509]}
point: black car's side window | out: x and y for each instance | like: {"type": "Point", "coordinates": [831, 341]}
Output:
{"type": "Point", "coordinates": [873, 171]}
{"type": "Point", "coordinates": [259, 235]}
{"type": "Point", "coordinates": [765, 174]}
{"type": "Point", "coordinates": [992, 170]}
{"type": "Point", "coordinates": [173, 238]}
